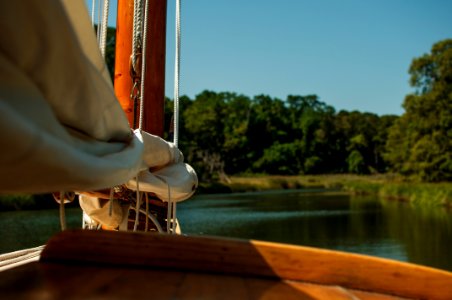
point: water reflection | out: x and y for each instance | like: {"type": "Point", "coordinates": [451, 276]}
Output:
{"type": "Point", "coordinates": [364, 225]}
{"type": "Point", "coordinates": [26, 229]}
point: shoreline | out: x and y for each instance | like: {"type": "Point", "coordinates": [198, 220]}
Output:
{"type": "Point", "coordinates": [383, 185]}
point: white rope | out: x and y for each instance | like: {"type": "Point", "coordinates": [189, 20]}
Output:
{"type": "Point", "coordinates": [177, 76]}
{"type": "Point", "coordinates": [137, 208]}
{"type": "Point", "coordinates": [153, 219]}
{"type": "Point", "coordinates": [110, 202]}
{"type": "Point", "coordinates": [103, 33]}
{"type": "Point", "coordinates": [137, 27]}
{"type": "Point", "coordinates": [169, 214]}
{"type": "Point", "coordinates": [14, 259]}
{"type": "Point", "coordinates": [143, 63]}
{"type": "Point", "coordinates": [140, 25]}
{"type": "Point", "coordinates": [98, 20]}
{"type": "Point", "coordinates": [84, 224]}
{"type": "Point", "coordinates": [172, 217]}
{"type": "Point", "coordinates": [93, 8]}
{"type": "Point", "coordinates": [62, 211]}
{"type": "Point", "coordinates": [146, 226]}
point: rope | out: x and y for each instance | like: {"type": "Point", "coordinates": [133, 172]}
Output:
{"type": "Point", "coordinates": [137, 208]}
{"type": "Point", "coordinates": [98, 21]}
{"type": "Point", "coordinates": [153, 219]}
{"type": "Point", "coordinates": [110, 202]}
{"type": "Point", "coordinates": [103, 33]}
{"type": "Point", "coordinates": [62, 211]}
{"type": "Point", "coordinates": [93, 8]}
{"type": "Point", "coordinates": [169, 215]}
{"type": "Point", "coordinates": [20, 257]}
{"type": "Point", "coordinates": [172, 217]}
{"type": "Point", "coordinates": [143, 63]}
{"type": "Point", "coordinates": [84, 224]}
{"type": "Point", "coordinates": [137, 27]}
{"type": "Point", "coordinates": [139, 44]}
{"type": "Point", "coordinates": [146, 226]}
{"type": "Point", "coordinates": [177, 76]}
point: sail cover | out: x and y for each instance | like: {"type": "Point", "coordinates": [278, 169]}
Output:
{"type": "Point", "coordinates": [61, 126]}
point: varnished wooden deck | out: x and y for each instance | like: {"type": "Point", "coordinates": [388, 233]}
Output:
{"type": "Point", "coordinates": [112, 265]}
{"type": "Point", "coordinates": [69, 281]}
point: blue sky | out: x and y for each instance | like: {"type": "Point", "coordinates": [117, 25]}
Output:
{"type": "Point", "coordinates": [354, 54]}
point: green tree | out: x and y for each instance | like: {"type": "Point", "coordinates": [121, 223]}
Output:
{"type": "Point", "coordinates": [279, 159]}
{"type": "Point", "coordinates": [267, 124]}
{"type": "Point", "coordinates": [420, 141]}
{"type": "Point", "coordinates": [204, 125]}
{"type": "Point", "coordinates": [236, 145]}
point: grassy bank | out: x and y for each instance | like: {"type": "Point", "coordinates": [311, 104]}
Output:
{"type": "Point", "coordinates": [28, 202]}
{"type": "Point", "coordinates": [385, 186]}
{"type": "Point", "coordinates": [425, 194]}
{"type": "Point", "coordinates": [270, 182]}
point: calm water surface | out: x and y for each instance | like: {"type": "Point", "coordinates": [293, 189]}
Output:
{"type": "Point", "coordinates": [365, 225]}
{"type": "Point", "coordinates": [337, 221]}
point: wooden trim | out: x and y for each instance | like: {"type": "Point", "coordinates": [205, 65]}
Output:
{"type": "Point", "coordinates": [250, 258]}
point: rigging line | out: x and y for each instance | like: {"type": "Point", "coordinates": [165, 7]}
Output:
{"type": "Point", "coordinates": [62, 211]}
{"type": "Point", "coordinates": [146, 225]}
{"type": "Point", "coordinates": [169, 215]}
{"type": "Point", "coordinates": [110, 203]}
{"type": "Point", "coordinates": [137, 27]}
{"type": "Point", "coordinates": [84, 225]}
{"type": "Point", "coordinates": [171, 204]}
{"type": "Point", "coordinates": [98, 20]}
{"type": "Point", "coordinates": [137, 208]}
{"type": "Point", "coordinates": [103, 35]}
{"type": "Point", "coordinates": [177, 76]}
{"type": "Point", "coordinates": [93, 8]}
{"type": "Point", "coordinates": [143, 64]}
{"type": "Point", "coordinates": [152, 218]}
{"type": "Point", "coordinates": [174, 218]}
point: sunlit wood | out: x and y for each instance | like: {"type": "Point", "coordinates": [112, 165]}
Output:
{"type": "Point", "coordinates": [250, 258]}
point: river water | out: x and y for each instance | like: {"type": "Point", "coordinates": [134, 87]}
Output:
{"type": "Point", "coordinates": [331, 220]}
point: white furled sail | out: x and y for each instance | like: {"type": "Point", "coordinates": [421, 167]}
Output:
{"type": "Point", "coordinates": [61, 125]}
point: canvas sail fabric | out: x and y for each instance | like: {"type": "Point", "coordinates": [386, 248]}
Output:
{"type": "Point", "coordinates": [61, 126]}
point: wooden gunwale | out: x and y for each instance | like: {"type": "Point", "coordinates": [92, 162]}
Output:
{"type": "Point", "coordinates": [249, 258]}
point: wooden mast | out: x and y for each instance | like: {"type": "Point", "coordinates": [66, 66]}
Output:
{"type": "Point", "coordinates": [122, 80]}
{"type": "Point", "coordinates": [154, 96]}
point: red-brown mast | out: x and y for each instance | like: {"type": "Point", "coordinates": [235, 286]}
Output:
{"type": "Point", "coordinates": [123, 82]}
{"type": "Point", "coordinates": [154, 86]}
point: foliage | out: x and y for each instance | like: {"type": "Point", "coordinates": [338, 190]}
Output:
{"type": "Point", "coordinates": [110, 49]}
{"type": "Point", "coordinates": [27, 202]}
{"type": "Point", "coordinates": [420, 142]}
{"type": "Point", "coordinates": [227, 133]}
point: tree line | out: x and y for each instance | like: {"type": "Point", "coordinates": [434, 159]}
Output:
{"type": "Point", "coordinates": [227, 133]}
{"type": "Point", "coordinates": [224, 133]}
